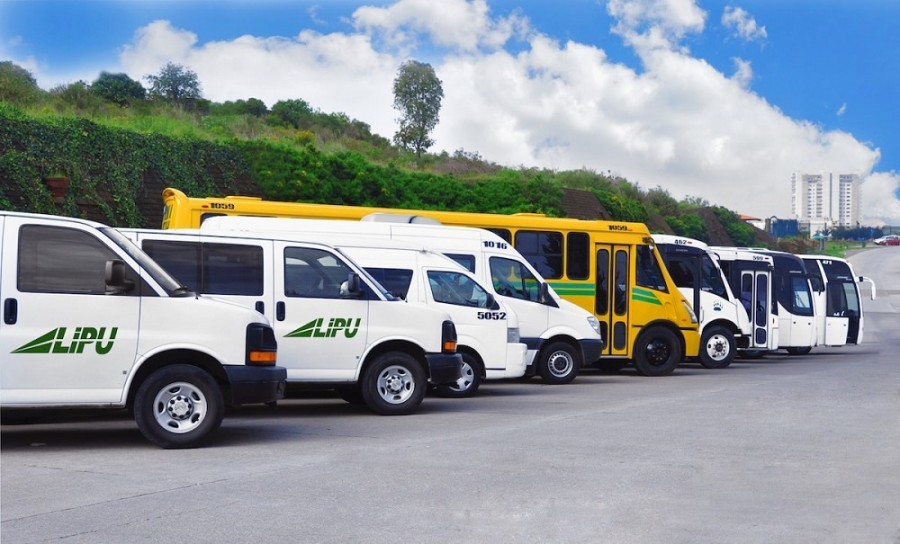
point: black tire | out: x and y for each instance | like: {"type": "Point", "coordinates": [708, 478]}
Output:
{"type": "Point", "coordinates": [394, 384]}
{"type": "Point", "coordinates": [558, 363]}
{"type": "Point", "coordinates": [468, 383]}
{"type": "Point", "coordinates": [799, 351]}
{"type": "Point", "coordinates": [178, 406]}
{"type": "Point", "coordinates": [717, 347]}
{"type": "Point", "coordinates": [657, 352]}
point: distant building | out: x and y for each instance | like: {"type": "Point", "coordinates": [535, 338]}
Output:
{"type": "Point", "coordinates": [824, 201]}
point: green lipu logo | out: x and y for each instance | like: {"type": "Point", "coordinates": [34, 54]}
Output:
{"type": "Point", "coordinates": [54, 341]}
{"type": "Point", "coordinates": [314, 328]}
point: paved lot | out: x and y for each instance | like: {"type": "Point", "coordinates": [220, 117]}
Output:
{"type": "Point", "coordinates": [782, 449]}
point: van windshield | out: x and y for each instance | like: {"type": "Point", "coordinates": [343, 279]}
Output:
{"type": "Point", "coordinates": [163, 278]}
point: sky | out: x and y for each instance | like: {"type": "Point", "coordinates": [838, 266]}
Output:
{"type": "Point", "coordinates": [718, 99]}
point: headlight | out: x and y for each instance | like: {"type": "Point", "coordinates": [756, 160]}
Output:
{"type": "Point", "coordinates": [592, 321]}
{"type": "Point", "coordinates": [690, 310]}
{"type": "Point", "coordinates": [512, 335]}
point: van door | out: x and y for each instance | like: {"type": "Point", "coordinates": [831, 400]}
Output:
{"type": "Point", "coordinates": [612, 297]}
{"type": "Point", "coordinates": [321, 334]}
{"type": "Point", "coordinates": [65, 337]}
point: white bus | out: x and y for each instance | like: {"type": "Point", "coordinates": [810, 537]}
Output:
{"type": "Point", "coordinates": [836, 299]}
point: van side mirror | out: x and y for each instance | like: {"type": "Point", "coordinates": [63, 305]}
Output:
{"type": "Point", "coordinates": [491, 303]}
{"type": "Point", "coordinates": [350, 288]}
{"type": "Point", "coordinates": [544, 296]}
{"type": "Point", "coordinates": [116, 278]}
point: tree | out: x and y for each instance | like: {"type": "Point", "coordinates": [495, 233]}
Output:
{"type": "Point", "coordinates": [17, 85]}
{"type": "Point", "coordinates": [176, 84]}
{"type": "Point", "coordinates": [417, 95]}
{"type": "Point", "coordinates": [118, 88]}
{"type": "Point", "coordinates": [292, 112]}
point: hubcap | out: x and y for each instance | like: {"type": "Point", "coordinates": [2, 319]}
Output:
{"type": "Point", "coordinates": [395, 384]}
{"type": "Point", "coordinates": [560, 364]}
{"type": "Point", "coordinates": [717, 348]}
{"type": "Point", "coordinates": [180, 407]}
{"type": "Point", "coordinates": [466, 380]}
{"type": "Point", "coordinates": [658, 352]}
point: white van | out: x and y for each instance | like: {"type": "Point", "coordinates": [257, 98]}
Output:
{"type": "Point", "coordinates": [337, 327]}
{"type": "Point", "coordinates": [561, 337]}
{"type": "Point", "coordinates": [488, 330]}
{"type": "Point", "coordinates": [89, 321]}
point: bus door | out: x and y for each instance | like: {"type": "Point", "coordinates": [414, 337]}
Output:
{"type": "Point", "coordinates": [612, 299]}
{"type": "Point", "coordinates": [756, 297]}
{"type": "Point", "coordinates": [831, 306]}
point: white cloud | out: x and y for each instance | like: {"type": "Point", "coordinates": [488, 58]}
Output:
{"type": "Point", "coordinates": [743, 24]}
{"type": "Point", "coordinates": [678, 123]}
{"type": "Point", "coordinates": [842, 110]}
{"type": "Point", "coordinates": [875, 194]}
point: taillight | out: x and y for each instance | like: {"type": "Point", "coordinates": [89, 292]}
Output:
{"type": "Point", "coordinates": [448, 337]}
{"type": "Point", "coordinates": [262, 348]}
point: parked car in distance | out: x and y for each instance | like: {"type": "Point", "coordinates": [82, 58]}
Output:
{"type": "Point", "coordinates": [889, 240]}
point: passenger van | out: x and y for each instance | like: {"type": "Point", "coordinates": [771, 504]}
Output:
{"type": "Point", "coordinates": [561, 337]}
{"type": "Point", "coordinates": [89, 321]}
{"type": "Point", "coordinates": [487, 330]}
{"type": "Point", "coordinates": [836, 298]}
{"type": "Point", "coordinates": [337, 327]}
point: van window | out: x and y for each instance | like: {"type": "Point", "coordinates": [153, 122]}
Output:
{"type": "Point", "coordinates": [456, 288]}
{"type": "Point", "coordinates": [544, 250]}
{"type": "Point", "coordinates": [466, 261]}
{"type": "Point", "coordinates": [313, 273]}
{"type": "Point", "coordinates": [212, 268]}
{"type": "Point", "coordinates": [395, 280]}
{"type": "Point", "coordinates": [62, 260]}
{"type": "Point", "coordinates": [511, 278]}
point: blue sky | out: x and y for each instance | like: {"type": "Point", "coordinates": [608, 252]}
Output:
{"type": "Point", "coordinates": [718, 99]}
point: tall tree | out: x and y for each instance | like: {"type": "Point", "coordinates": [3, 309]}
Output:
{"type": "Point", "coordinates": [17, 85]}
{"type": "Point", "coordinates": [118, 88]}
{"type": "Point", "coordinates": [175, 83]}
{"type": "Point", "coordinates": [417, 95]}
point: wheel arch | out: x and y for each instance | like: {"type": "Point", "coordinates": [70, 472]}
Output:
{"type": "Point", "coordinates": [163, 359]}
{"type": "Point", "coordinates": [663, 323]}
{"type": "Point", "coordinates": [414, 350]}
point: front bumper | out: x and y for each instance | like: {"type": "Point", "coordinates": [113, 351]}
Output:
{"type": "Point", "coordinates": [256, 384]}
{"type": "Point", "coordinates": [590, 351]}
{"type": "Point", "coordinates": [444, 368]}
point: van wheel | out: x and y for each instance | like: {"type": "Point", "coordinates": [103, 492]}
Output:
{"type": "Point", "coordinates": [178, 406]}
{"type": "Point", "coordinates": [558, 363]}
{"type": "Point", "coordinates": [799, 351]}
{"type": "Point", "coordinates": [394, 384]}
{"type": "Point", "coordinates": [468, 383]}
{"type": "Point", "coordinates": [657, 352]}
{"type": "Point", "coordinates": [717, 347]}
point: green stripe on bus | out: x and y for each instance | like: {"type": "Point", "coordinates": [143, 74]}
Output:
{"type": "Point", "coordinates": [574, 289]}
{"type": "Point", "coordinates": [644, 295]}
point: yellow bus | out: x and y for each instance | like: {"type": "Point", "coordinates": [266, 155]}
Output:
{"type": "Point", "coordinates": [610, 268]}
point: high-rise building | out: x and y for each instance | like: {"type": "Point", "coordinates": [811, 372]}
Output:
{"type": "Point", "coordinates": [825, 200]}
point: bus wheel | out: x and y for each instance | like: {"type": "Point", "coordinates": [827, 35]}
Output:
{"type": "Point", "coordinates": [558, 363]}
{"type": "Point", "coordinates": [468, 383]}
{"type": "Point", "coordinates": [178, 406]}
{"type": "Point", "coordinates": [657, 352]}
{"type": "Point", "coordinates": [799, 351]}
{"type": "Point", "coordinates": [717, 347]}
{"type": "Point", "coordinates": [394, 384]}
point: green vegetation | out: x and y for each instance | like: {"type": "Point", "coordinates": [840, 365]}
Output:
{"type": "Point", "coordinates": [112, 138]}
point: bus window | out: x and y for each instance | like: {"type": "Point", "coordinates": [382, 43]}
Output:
{"type": "Point", "coordinates": [620, 294]}
{"type": "Point", "coordinates": [649, 274]}
{"type": "Point", "coordinates": [712, 277]}
{"type": "Point", "coordinates": [802, 304]}
{"type": "Point", "coordinates": [577, 255]}
{"type": "Point", "coordinates": [503, 233]}
{"type": "Point", "coordinates": [466, 261]}
{"type": "Point", "coordinates": [680, 270]}
{"type": "Point", "coordinates": [601, 303]}
{"type": "Point", "coordinates": [815, 277]}
{"type": "Point", "coordinates": [543, 250]}
{"type": "Point", "coordinates": [511, 279]}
